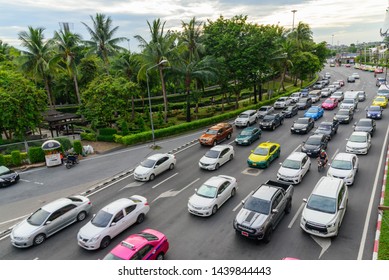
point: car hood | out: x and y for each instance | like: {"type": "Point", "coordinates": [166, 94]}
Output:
{"type": "Point", "coordinates": [241, 119]}
{"type": "Point", "coordinates": [207, 136]}
{"type": "Point", "coordinates": [89, 230]}
{"type": "Point", "coordinates": [288, 171]}
{"type": "Point", "coordinates": [142, 170]}
{"type": "Point", "coordinates": [266, 122]}
{"type": "Point", "coordinates": [261, 113]}
{"type": "Point", "coordinates": [299, 125]}
{"type": "Point", "coordinates": [199, 201]}
{"type": "Point", "coordinates": [363, 128]}
{"type": "Point", "coordinates": [342, 117]}
{"type": "Point", "coordinates": [322, 131]}
{"type": "Point", "coordinates": [24, 229]}
{"type": "Point", "coordinates": [207, 160]}
{"type": "Point", "coordinates": [257, 158]}
{"type": "Point", "coordinates": [356, 144]}
{"type": "Point", "coordinates": [338, 172]}
{"type": "Point", "coordinates": [243, 137]}
{"type": "Point", "coordinates": [317, 216]}
{"type": "Point", "coordinates": [301, 103]}
{"type": "Point", "coordinates": [310, 147]}
{"type": "Point", "coordinates": [374, 112]}
{"type": "Point", "coordinates": [251, 219]}
{"type": "Point", "coordinates": [311, 115]}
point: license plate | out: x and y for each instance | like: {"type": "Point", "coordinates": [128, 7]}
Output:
{"type": "Point", "coordinates": [308, 153]}
{"type": "Point", "coordinates": [254, 164]}
{"type": "Point", "coordinates": [245, 233]}
{"type": "Point", "coordinates": [12, 180]}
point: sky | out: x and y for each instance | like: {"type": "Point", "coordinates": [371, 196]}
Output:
{"type": "Point", "coordinates": [336, 22]}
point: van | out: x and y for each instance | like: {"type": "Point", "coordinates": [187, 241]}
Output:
{"type": "Point", "coordinates": [383, 90]}
{"type": "Point", "coordinates": [352, 95]}
{"type": "Point", "coordinates": [315, 95]}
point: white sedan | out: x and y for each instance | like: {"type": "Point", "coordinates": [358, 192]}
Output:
{"type": "Point", "coordinates": [154, 165]}
{"type": "Point", "coordinates": [112, 220]}
{"type": "Point", "coordinates": [216, 157]}
{"type": "Point", "coordinates": [344, 166]}
{"type": "Point", "coordinates": [358, 143]}
{"type": "Point", "coordinates": [212, 195]}
{"type": "Point", "coordinates": [294, 168]}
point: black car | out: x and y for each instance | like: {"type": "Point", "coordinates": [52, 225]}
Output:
{"type": "Point", "coordinates": [304, 103]}
{"type": "Point", "coordinates": [271, 121]}
{"type": "Point", "coordinates": [344, 116]}
{"type": "Point", "coordinates": [314, 144]}
{"type": "Point", "coordinates": [8, 176]}
{"type": "Point", "coordinates": [290, 111]}
{"type": "Point", "coordinates": [367, 125]}
{"type": "Point", "coordinates": [327, 128]}
{"type": "Point", "coordinates": [302, 125]}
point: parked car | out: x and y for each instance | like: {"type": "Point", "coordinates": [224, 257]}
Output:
{"type": "Point", "coordinates": [153, 166]}
{"type": "Point", "coordinates": [325, 208]}
{"type": "Point", "coordinates": [50, 219]}
{"type": "Point", "coordinates": [327, 128]}
{"type": "Point", "coordinates": [282, 102]}
{"type": "Point", "coordinates": [302, 125]}
{"type": "Point", "coordinates": [314, 144]}
{"type": "Point", "coordinates": [344, 166]}
{"type": "Point", "coordinates": [374, 112]}
{"type": "Point", "coordinates": [8, 176]}
{"type": "Point", "coordinates": [290, 111]}
{"type": "Point", "coordinates": [248, 136]}
{"type": "Point", "coordinates": [344, 116]}
{"type": "Point", "coordinates": [381, 101]}
{"type": "Point", "coordinates": [330, 104]}
{"type": "Point", "coordinates": [216, 157]}
{"type": "Point", "coordinates": [265, 110]}
{"type": "Point", "coordinates": [294, 168]}
{"type": "Point", "coordinates": [304, 103]}
{"type": "Point", "coordinates": [111, 220]}
{"type": "Point", "coordinates": [246, 118]}
{"type": "Point", "coordinates": [216, 134]}
{"type": "Point", "coordinates": [367, 125]}
{"type": "Point", "coordinates": [149, 244]}
{"type": "Point", "coordinates": [264, 154]}
{"type": "Point", "coordinates": [338, 95]}
{"type": "Point", "coordinates": [315, 112]}
{"type": "Point", "coordinates": [211, 195]}
{"type": "Point", "coordinates": [271, 121]}
{"type": "Point", "coordinates": [358, 143]}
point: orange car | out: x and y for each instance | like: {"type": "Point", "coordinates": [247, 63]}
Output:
{"type": "Point", "coordinates": [216, 134]}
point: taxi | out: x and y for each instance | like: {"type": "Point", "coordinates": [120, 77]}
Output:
{"type": "Point", "coordinates": [264, 154]}
{"type": "Point", "coordinates": [380, 101]}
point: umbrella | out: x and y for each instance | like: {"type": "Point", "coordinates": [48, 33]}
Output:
{"type": "Point", "coordinates": [50, 145]}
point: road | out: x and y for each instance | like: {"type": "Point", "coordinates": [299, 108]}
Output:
{"type": "Point", "coordinates": [210, 238]}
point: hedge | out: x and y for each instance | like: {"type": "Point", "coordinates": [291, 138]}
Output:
{"type": "Point", "coordinates": [88, 136]}
{"type": "Point", "coordinates": [16, 158]}
{"type": "Point", "coordinates": [65, 142]}
{"type": "Point", "coordinates": [107, 131]}
{"type": "Point", "coordinates": [77, 146]}
{"type": "Point", "coordinates": [105, 138]}
{"type": "Point", "coordinates": [36, 154]}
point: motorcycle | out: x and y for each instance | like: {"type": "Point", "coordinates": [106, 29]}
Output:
{"type": "Point", "coordinates": [71, 160]}
{"type": "Point", "coordinates": [320, 165]}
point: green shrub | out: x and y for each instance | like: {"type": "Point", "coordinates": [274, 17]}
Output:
{"type": "Point", "coordinates": [124, 128]}
{"type": "Point", "coordinates": [36, 154]}
{"type": "Point", "coordinates": [107, 131]}
{"type": "Point", "coordinates": [16, 158]}
{"type": "Point", "coordinates": [65, 143]}
{"type": "Point", "coordinates": [77, 146]}
{"type": "Point", "coordinates": [2, 160]}
{"type": "Point", "coordinates": [88, 136]}
{"type": "Point", "coordinates": [8, 160]}
{"type": "Point", "coordinates": [105, 138]}
{"type": "Point", "coordinates": [118, 138]}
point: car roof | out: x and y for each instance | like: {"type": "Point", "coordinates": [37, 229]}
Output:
{"type": "Point", "coordinates": [250, 128]}
{"type": "Point", "coordinates": [316, 136]}
{"type": "Point", "coordinates": [248, 111]}
{"type": "Point", "coordinates": [156, 156]}
{"type": "Point", "coordinates": [326, 123]}
{"type": "Point", "coordinates": [360, 133]}
{"type": "Point", "coordinates": [57, 204]}
{"type": "Point", "coordinates": [220, 147]}
{"type": "Point", "coordinates": [297, 156]}
{"type": "Point", "coordinates": [328, 186]}
{"type": "Point", "coordinates": [215, 181]}
{"type": "Point", "coordinates": [365, 120]}
{"type": "Point", "coordinates": [267, 144]}
{"type": "Point", "coordinates": [118, 204]}
{"type": "Point", "coordinates": [344, 156]}
{"type": "Point", "coordinates": [265, 192]}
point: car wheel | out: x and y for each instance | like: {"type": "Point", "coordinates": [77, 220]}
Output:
{"type": "Point", "coordinates": [233, 192]}
{"type": "Point", "coordinates": [171, 167]}
{"type": "Point", "coordinates": [268, 235]}
{"type": "Point", "coordinates": [273, 127]}
{"type": "Point", "coordinates": [152, 177]}
{"type": "Point", "coordinates": [309, 168]}
{"type": "Point", "coordinates": [105, 242]}
{"type": "Point", "coordinates": [217, 166]}
{"type": "Point", "coordinates": [231, 157]}
{"type": "Point", "coordinates": [81, 216]}
{"type": "Point", "coordinates": [214, 209]}
{"type": "Point", "coordinates": [140, 218]}
{"type": "Point", "coordinates": [39, 239]}
{"type": "Point", "coordinates": [160, 257]}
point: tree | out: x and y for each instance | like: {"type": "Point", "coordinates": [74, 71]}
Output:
{"type": "Point", "coordinates": [305, 63]}
{"type": "Point", "coordinates": [283, 56]}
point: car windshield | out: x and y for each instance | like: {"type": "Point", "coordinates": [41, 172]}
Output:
{"type": "Point", "coordinates": [282, 99]}
{"type": "Point", "coordinates": [268, 118]}
{"type": "Point", "coordinates": [329, 101]}
{"type": "Point", "coordinates": [313, 141]}
{"type": "Point", "coordinates": [313, 110]}
{"type": "Point", "coordinates": [302, 120]}
{"type": "Point", "coordinates": [358, 138]}
{"type": "Point", "coordinates": [261, 151]}
{"type": "Point", "coordinates": [380, 99]}
{"type": "Point", "coordinates": [112, 257]}
{"type": "Point", "coordinates": [246, 132]}
{"type": "Point", "coordinates": [350, 101]}
{"type": "Point", "coordinates": [38, 217]}
{"type": "Point", "coordinates": [303, 100]}
{"type": "Point", "coordinates": [212, 154]}
{"type": "Point", "coordinates": [343, 113]}
{"type": "Point", "coordinates": [147, 236]}
{"type": "Point", "coordinates": [295, 95]}
{"type": "Point", "coordinates": [322, 204]}
{"type": "Point", "coordinates": [341, 164]}
{"type": "Point", "coordinates": [292, 164]}
{"type": "Point", "coordinates": [374, 108]}
{"type": "Point", "coordinates": [101, 219]}
{"type": "Point", "coordinates": [3, 170]}
{"type": "Point", "coordinates": [211, 131]}
{"type": "Point", "coordinates": [207, 191]}
{"type": "Point", "coordinates": [148, 163]}
{"type": "Point", "coordinates": [257, 205]}
{"type": "Point", "coordinates": [243, 116]}
{"type": "Point", "coordinates": [263, 109]}
{"type": "Point", "coordinates": [364, 123]}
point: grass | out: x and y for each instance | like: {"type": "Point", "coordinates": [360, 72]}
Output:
{"type": "Point", "coordinates": [383, 247]}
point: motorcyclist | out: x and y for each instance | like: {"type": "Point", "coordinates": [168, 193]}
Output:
{"type": "Point", "coordinates": [323, 158]}
{"type": "Point", "coordinates": [71, 157]}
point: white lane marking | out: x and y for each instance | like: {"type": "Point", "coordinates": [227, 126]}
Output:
{"type": "Point", "coordinates": [24, 180]}
{"type": "Point", "coordinates": [373, 192]}
{"type": "Point", "coordinates": [21, 217]}
{"type": "Point", "coordinates": [240, 204]}
{"type": "Point", "coordinates": [190, 146]}
{"type": "Point", "coordinates": [297, 148]}
{"type": "Point", "coordinates": [296, 215]}
{"type": "Point", "coordinates": [171, 193]}
{"type": "Point", "coordinates": [132, 185]}
{"type": "Point", "coordinates": [337, 151]}
{"type": "Point", "coordinates": [324, 243]}
{"type": "Point", "coordinates": [160, 183]}
{"type": "Point", "coordinates": [111, 184]}
{"type": "Point", "coordinates": [38, 183]}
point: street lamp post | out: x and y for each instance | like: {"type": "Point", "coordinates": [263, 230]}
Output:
{"type": "Point", "coordinates": [148, 92]}
{"type": "Point", "coordinates": [293, 11]}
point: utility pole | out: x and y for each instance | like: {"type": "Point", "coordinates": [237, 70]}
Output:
{"type": "Point", "coordinates": [293, 11]}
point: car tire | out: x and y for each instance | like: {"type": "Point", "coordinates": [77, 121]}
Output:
{"type": "Point", "coordinates": [231, 157]}
{"type": "Point", "coordinates": [171, 166]}
{"type": "Point", "coordinates": [39, 239]}
{"type": "Point", "coordinates": [105, 242]}
{"type": "Point", "coordinates": [273, 127]}
{"type": "Point", "coordinates": [140, 218]}
{"type": "Point", "coordinates": [160, 257]}
{"type": "Point", "coordinates": [233, 192]}
{"type": "Point", "coordinates": [81, 216]}
{"type": "Point", "coordinates": [217, 166]}
{"type": "Point", "coordinates": [214, 209]}
{"type": "Point", "coordinates": [152, 177]}
{"type": "Point", "coordinates": [214, 143]}
{"type": "Point", "coordinates": [268, 235]}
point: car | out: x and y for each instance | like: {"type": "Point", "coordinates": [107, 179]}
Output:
{"type": "Point", "coordinates": [216, 157]}
{"type": "Point", "coordinates": [374, 112]}
{"type": "Point", "coordinates": [379, 70]}
{"type": "Point", "coordinates": [367, 125]}
{"type": "Point", "coordinates": [282, 102]}
{"type": "Point", "coordinates": [315, 95]}
{"type": "Point", "coordinates": [327, 75]}
{"type": "Point", "coordinates": [50, 219]}
{"type": "Point", "coordinates": [338, 95]}
{"type": "Point", "coordinates": [216, 134]}
{"type": "Point", "coordinates": [355, 75]}
{"type": "Point", "coordinates": [361, 95]}
{"type": "Point", "coordinates": [302, 125]}
{"type": "Point", "coordinates": [314, 112]}
{"type": "Point", "coordinates": [271, 121]}
{"type": "Point", "coordinates": [383, 90]}
{"type": "Point", "coordinates": [326, 92]}
{"type": "Point", "coordinates": [333, 87]}
{"type": "Point", "coordinates": [304, 92]}
{"type": "Point", "coordinates": [325, 81]}
{"type": "Point", "coordinates": [304, 103]}
{"type": "Point", "coordinates": [344, 115]}
{"type": "Point", "coordinates": [294, 168]}
{"type": "Point", "coordinates": [358, 143]}
{"type": "Point", "coordinates": [153, 166]}
{"type": "Point", "coordinates": [381, 101]}
{"type": "Point", "coordinates": [264, 154]}
{"type": "Point", "coordinates": [290, 111]}
{"type": "Point", "coordinates": [264, 110]}
{"type": "Point", "coordinates": [327, 128]}
{"type": "Point", "coordinates": [324, 210]}
{"type": "Point", "coordinates": [351, 79]}
{"type": "Point", "coordinates": [8, 176]}
{"type": "Point", "coordinates": [337, 85]}
{"type": "Point", "coordinates": [330, 104]}
{"type": "Point", "coordinates": [348, 103]}
{"type": "Point", "coordinates": [318, 85]}
{"type": "Point", "coordinates": [295, 96]}
{"type": "Point", "coordinates": [111, 220]}
{"type": "Point", "coordinates": [149, 244]}
{"type": "Point", "coordinates": [248, 135]}
{"type": "Point", "coordinates": [211, 195]}
{"type": "Point", "coordinates": [344, 166]}
{"type": "Point", "coordinates": [341, 82]}
{"type": "Point", "coordinates": [380, 81]}
{"type": "Point", "coordinates": [314, 144]}
{"type": "Point", "coordinates": [246, 118]}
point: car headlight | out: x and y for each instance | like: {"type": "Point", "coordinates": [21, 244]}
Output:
{"type": "Point", "coordinates": [335, 118]}
{"type": "Point", "coordinates": [94, 239]}
{"type": "Point", "coordinates": [2, 180]}
{"type": "Point", "coordinates": [304, 128]}
{"type": "Point", "coordinates": [350, 175]}
{"type": "Point", "coordinates": [331, 225]}
{"type": "Point", "coordinates": [207, 207]}
{"type": "Point", "coordinates": [347, 118]}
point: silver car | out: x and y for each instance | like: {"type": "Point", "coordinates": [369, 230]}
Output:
{"type": "Point", "coordinates": [50, 219]}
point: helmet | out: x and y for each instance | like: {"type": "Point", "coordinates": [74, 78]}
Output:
{"type": "Point", "coordinates": [322, 152]}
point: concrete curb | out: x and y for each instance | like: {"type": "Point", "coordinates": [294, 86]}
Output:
{"type": "Point", "coordinates": [380, 213]}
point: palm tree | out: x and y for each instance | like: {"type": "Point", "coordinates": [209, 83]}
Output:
{"type": "Point", "coordinates": [102, 39]}
{"type": "Point", "coordinates": [283, 56]}
{"type": "Point", "coordinates": [68, 47]}
{"type": "Point", "coordinates": [38, 60]}
{"type": "Point", "coordinates": [301, 35]}
{"type": "Point", "coordinates": [191, 39]}
{"type": "Point", "coordinates": [160, 47]}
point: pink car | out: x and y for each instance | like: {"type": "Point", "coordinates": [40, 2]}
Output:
{"type": "Point", "coordinates": [149, 244]}
{"type": "Point", "coordinates": [330, 104]}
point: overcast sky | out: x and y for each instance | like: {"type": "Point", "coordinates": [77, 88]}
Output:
{"type": "Point", "coordinates": [349, 21]}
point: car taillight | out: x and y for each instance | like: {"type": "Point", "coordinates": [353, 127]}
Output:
{"type": "Point", "coordinates": [89, 202]}
{"type": "Point", "coordinates": [146, 203]}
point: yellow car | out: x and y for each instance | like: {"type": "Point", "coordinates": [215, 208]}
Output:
{"type": "Point", "coordinates": [264, 154]}
{"type": "Point", "coordinates": [380, 101]}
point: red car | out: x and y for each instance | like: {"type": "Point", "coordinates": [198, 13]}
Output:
{"type": "Point", "coordinates": [330, 104]}
{"type": "Point", "coordinates": [149, 244]}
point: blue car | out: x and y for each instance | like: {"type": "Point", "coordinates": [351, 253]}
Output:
{"type": "Point", "coordinates": [374, 112]}
{"type": "Point", "coordinates": [248, 136]}
{"type": "Point", "coordinates": [315, 112]}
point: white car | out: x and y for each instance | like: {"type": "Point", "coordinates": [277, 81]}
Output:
{"type": "Point", "coordinates": [216, 157]}
{"type": "Point", "coordinates": [355, 75]}
{"type": "Point", "coordinates": [282, 102]}
{"type": "Point", "coordinates": [344, 166]}
{"type": "Point", "coordinates": [112, 220]}
{"type": "Point", "coordinates": [295, 97]}
{"type": "Point", "coordinates": [294, 168]}
{"type": "Point", "coordinates": [348, 103]}
{"type": "Point", "coordinates": [212, 195]}
{"type": "Point", "coordinates": [325, 92]}
{"type": "Point", "coordinates": [154, 165]}
{"type": "Point", "coordinates": [325, 208]}
{"type": "Point", "coordinates": [358, 143]}
{"type": "Point", "coordinates": [246, 118]}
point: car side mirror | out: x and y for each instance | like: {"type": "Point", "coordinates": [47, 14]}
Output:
{"type": "Point", "coordinates": [195, 190]}
{"type": "Point", "coordinates": [243, 202]}
{"type": "Point", "coordinates": [305, 200]}
{"type": "Point", "coordinates": [274, 211]}
{"type": "Point", "coordinates": [252, 151]}
{"type": "Point", "coordinates": [113, 224]}
{"type": "Point", "coordinates": [48, 222]}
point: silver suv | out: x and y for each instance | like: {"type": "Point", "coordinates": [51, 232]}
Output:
{"type": "Point", "coordinates": [246, 118]}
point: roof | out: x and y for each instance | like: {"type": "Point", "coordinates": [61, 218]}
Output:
{"type": "Point", "coordinates": [116, 205]}
{"type": "Point", "coordinates": [156, 156]}
{"type": "Point", "coordinates": [297, 156]}
{"type": "Point", "coordinates": [215, 181]}
{"type": "Point", "coordinates": [265, 192]}
{"type": "Point", "coordinates": [344, 156]}
{"type": "Point", "coordinates": [56, 204]}
{"type": "Point", "coordinates": [328, 186]}
{"type": "Point", "coordinates": [267, 144]}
